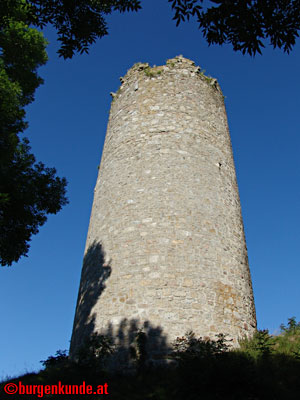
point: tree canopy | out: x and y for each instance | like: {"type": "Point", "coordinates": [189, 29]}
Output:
{"type": "Point", "coordinates": [78, 22]}
{"type": "Point", "coordinates": [245, 24]}
{"type": "Point", "coordinates": [28, 190]}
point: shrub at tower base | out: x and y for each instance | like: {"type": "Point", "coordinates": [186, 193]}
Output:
{"type": "Point", "coordinates": [265, 367]}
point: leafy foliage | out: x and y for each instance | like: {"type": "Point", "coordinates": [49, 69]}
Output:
{"type": "Point", "coordinates": [292, 327]}
{"type": "Point", "coordinates": [189, 347]}
{"type": "Point", "coordinates": [263, 344]}
{"type": "Point", "coordinates": [244, 23]}
{"type": "Point", "coordinates": [288, 342]}
{"type": "Point", "coordinates": [22, 51]}
{"type": "Point", "coordinates": [94, 351]}
{"type": "Point", "coordinates": [28, 190]}
{"type": "Point", "coordinates": [184, 9]}
{"type": "Point", "coordinates": [31, 191]}
{"type": "Point", "coordinates": [260, 345]}
{"type": "Point", "coordinates": [78, 23]}
{"type": "Point", "coordinates": [60, 358]}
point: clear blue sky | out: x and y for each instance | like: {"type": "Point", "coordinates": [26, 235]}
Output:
{"type": "Point", "coordinates": [67, 124]}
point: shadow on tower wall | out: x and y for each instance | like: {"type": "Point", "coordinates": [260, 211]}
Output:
{"type": "Point", "coordinates": [92, 284]}
{"type": "Point", "coordinates": [135, 340]}
{"type": "Point", "coordinates": [127, 335]}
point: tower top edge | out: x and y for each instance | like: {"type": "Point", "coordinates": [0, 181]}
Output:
{"type": "Point", "coordinates": [175, 62]}
{"type": "Point", "coordinates": [172, 65]}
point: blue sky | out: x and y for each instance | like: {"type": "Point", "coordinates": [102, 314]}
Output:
{"type": "Point", "coordinates": [67, 124]}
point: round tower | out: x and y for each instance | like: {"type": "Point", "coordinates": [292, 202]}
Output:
{"type": "Point", "coordinates": [166, 250]}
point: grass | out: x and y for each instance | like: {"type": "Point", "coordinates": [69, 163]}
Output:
{"type": "Point", "coordinates": [152, 72]}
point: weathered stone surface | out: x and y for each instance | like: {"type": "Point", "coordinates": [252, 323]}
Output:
{"type": "Point", "coordinates": [166, 241]}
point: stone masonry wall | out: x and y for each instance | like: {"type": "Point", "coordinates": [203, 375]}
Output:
{"type": "Point", "coordinates": [166, 242]}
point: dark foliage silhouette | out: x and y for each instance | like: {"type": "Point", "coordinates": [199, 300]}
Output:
{"type": "Point", "coordinates": [243, 24]}
{"type": "Point", "coordinates": [28, 189]}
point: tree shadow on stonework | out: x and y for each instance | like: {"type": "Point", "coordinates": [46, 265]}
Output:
{"type": "Point", "coordinates": [137, 344]}
{"type": "Point", "coordinates": [94, 274]}
{"type": "Point", "coordinates": [131, 345]}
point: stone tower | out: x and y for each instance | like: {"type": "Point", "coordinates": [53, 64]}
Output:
{"type": "Point", "coordinates": [166, 248]}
